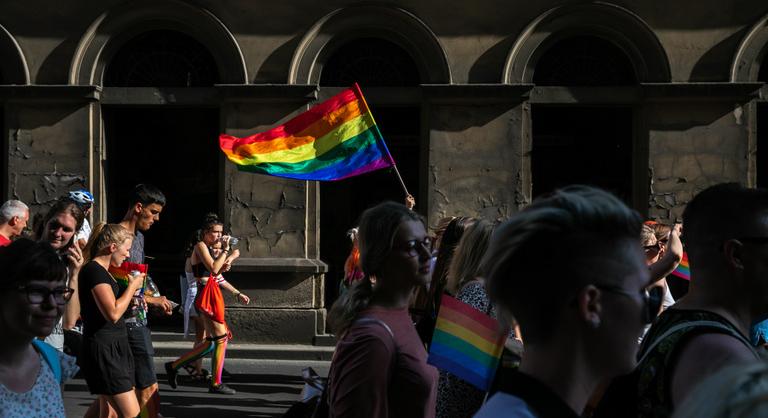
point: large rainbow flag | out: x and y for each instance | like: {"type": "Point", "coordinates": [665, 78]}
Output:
{"type": "Point", "coordinates": [466, 343]}
{"type": "Point", "coordinates": [683, 269]}
{"type": "Point", "coordinates": [333, 140]}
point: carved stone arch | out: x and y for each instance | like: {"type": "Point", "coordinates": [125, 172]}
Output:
{"type": "Point", "coordinates": [115, 27]}
{"type": "Point", "coordinates": [750, 54]}
{"type": "Point", "coordinates": [610, 22]}
{"type": "Point", "coordinates": [13, 65]}
{"type": "Point", "coordinates": [390, 23]}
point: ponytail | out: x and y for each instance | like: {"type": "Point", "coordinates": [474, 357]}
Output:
{"type": "Point", "coordinates": [102, 236]}
{"type": "Point", "coordinates": [344, 311]}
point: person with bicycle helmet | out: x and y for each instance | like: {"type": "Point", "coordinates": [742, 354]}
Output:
{"type": "Point", "coordinates": [84, 199]}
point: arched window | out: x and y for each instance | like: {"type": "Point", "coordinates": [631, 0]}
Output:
{"type": "Point", "coordinates": [584, 61]}
{"type": "Point", "coordinates": [162, 58]}
{"type": "Point", "coordinates": [371, 62]}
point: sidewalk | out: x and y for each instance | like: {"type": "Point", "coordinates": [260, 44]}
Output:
{"type": "Point", "coordinates": [267, 379]}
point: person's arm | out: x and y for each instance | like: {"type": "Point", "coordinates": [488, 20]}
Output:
{"type": "Point", "coordinates": [212, 264]}
{"type": "Point", "coordinates": [72, 309]}
{"type": "Point", "coordinates": [242, 297]}
{"type": "Point", "coordinates": [671, 258]}
{"type": "Point", "coordinates": [361, 376]}
{"type": "Point", "coordinates": [702, 356]}
{"type": "Point", "coordinates": [113, 309]}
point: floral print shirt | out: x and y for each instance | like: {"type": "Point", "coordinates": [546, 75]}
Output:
{"type": "Point", "coordinates": [44, 399]}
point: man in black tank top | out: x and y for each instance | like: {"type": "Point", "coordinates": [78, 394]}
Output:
{"type": "Point", "coordinates": [726, 237]}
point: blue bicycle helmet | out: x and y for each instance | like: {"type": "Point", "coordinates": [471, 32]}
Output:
{"type": "Point", "coordinates": [83, 197]}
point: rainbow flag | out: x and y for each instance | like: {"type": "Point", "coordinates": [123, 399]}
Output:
{"type": "Point", "coordinates": [335, 139]}
{"type": "Point", "coordinates": [121, 273]}
{"type": "Point", "coordinates": [683, 269]}
{"type": "Point", "coordinates": [466, 343]}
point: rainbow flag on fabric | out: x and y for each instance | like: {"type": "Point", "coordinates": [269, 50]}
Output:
{"type": "Point", "coordinates": [121, 273]}
{"type": "Point", "coordinates": [333, 140]}
{"type": "Point", "coordinates": [683, 269]}
{"type": "Point", "coordinates": [466, 343]}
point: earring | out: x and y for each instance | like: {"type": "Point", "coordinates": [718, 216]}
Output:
{"type": "Point", "coordinates": [594, 323]}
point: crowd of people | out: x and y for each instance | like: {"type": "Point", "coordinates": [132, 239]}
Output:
{"type": "Point", "coordinates": [577, 280]}
{"type": "Point", "coordinates": [580, 281]}
{"type": "Point", "coordinates": [76, 298]}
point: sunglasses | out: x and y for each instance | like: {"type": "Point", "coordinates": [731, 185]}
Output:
{"type": "Point", "coordinates": [651, 299]}
{"type": "Point", "coordinates": [38, 294]}
{"type": "Point", "coordinates": [655, 248]}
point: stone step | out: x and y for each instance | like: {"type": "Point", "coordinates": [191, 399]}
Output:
{"type": "Point", "coordinates": [168, 344]}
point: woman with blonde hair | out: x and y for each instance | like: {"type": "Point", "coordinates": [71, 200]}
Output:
{"type": "Point", "coordinates": [106, 357]}
{"type": "Point", "coordinates": [455, 397]}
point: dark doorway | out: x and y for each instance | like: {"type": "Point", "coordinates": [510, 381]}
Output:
{"type": "Point", "coordinates": [761, 158]}
{"type": "Point", "coordinates": [175, 150]}
{"type": "Point", "coordinates": [582, 145]}
{"type": "Point", "coordinates": [371, 62]}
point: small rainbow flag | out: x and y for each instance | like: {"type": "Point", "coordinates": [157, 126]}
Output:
{"type": "Point", "coordinates": [466, 343]}
{"type": "Point", "coordinates": [683, 269]}
{"type": "Point", "coordinates": [121, 273]}
{"type": "Point", "coordinates": [335, 139]}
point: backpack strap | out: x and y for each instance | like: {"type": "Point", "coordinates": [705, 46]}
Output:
{"type": "Point", "coordinates": [326, 396]}
{"type": "Point", "coordinates": [695, 324]}
{"type": "Point", "coordinates": [51, 356]}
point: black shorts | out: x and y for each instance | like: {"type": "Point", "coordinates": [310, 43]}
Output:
{"type": "Point", "coordinates": [107, 365]}
{"type": "Point", "coordinates": [140, 340]}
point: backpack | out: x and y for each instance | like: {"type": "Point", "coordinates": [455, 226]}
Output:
{"type": "Point", "coordinates": [51, 357]}
{"type": "Point", "coordinates": [621, 397]}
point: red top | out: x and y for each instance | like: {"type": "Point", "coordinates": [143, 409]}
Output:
{"type": "Point", "coordinates": [373, 373]}
{"type": "Point", "coordinates": [4, 241]}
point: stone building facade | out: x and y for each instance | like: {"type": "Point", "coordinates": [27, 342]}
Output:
{"type": "Point", "coordinates": [485, 105]}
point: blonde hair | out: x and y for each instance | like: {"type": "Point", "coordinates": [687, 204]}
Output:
{"type": "Point", "coordinates": [739, 391]}
{"type": "Point", "coordinates": [102, 236]}
{"type": "Point", "coordinates": [647, 236]}
{"type": "Point", "coordinates": [465, 263]}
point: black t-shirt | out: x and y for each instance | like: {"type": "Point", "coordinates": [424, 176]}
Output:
{"type": "Point", "coordinates": [91, 275]}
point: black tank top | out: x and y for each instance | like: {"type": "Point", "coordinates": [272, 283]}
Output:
{"type": "Point", "coordinates": [199, 270]}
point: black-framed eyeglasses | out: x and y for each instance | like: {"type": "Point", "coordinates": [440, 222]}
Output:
{"type": "Point", "coordinates": [412, 247]}
{"type": "Point", "coordinates": [38, 294]}
{"type": "Point", "coordinates": [652, 299]}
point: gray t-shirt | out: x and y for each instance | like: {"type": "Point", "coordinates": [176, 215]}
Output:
{"type": "Point", "coordinates": [137, 249]}
{"type": "Point", "coordinates": [136, 314]}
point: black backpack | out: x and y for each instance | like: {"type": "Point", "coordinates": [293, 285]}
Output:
{"type": "Point", "coordinates": [620, 399]}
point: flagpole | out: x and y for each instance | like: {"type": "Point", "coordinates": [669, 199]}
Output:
{"type": "Point", "coordinates": [392, 160]}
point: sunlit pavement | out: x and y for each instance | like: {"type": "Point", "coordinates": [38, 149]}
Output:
{"type": "Point", "coordinates": [265, 388]}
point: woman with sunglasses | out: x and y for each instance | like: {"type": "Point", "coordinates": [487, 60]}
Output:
{"type": "Point", "coordinates": [569, 269]}
{"type": "Point", "coordinates": [379, 367]}
{"type": "Point", "coordinates": [32, 300]}
{"type": "Point", "coordinates": [106, 357]}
